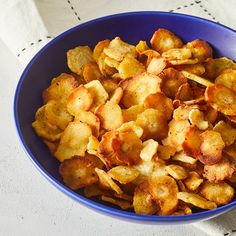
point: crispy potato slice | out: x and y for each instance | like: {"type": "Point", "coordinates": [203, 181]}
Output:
{"type": "Point", "coordinates": [130, 67]}
{"type": "Point", "coordinates": [177, 54]}
{"type": "Point", "coordinates": [60, 89]}
{"type": "Point", "coordinates": [196, 200]}
{"type": "Point", "coordinates": [123, 174]}
{"type": "Point", "coordinates": [219, 171]}
{"type": "Point", "coordinates": [149, 149]}
{"type": "Point", "coordinates": [78, 172]}
{"type": "Point", "coordinates": [231, 150]}
{"type": "Point", "coordinates": [98, 49]}
{"type": "Point", "coordinates": [78, 57]}
{"type": "Point", "coordinates": [138, 88]}
{"type": "Point", "coordinates": [182, 112]}
{"type": "Point", "coordinates": [146, 56]}
{"type": "Point", "coordinates": [94, 190]}
{"type": "Point", "coordinates": [227, 132]}
{"type": "Point", "coordinates": [193, 181]}
{"type": "Point", "coordinates": [91, 72]}
{"type": "Point", "coordinates": [197, 78]}
{"type": "Point", "coordinates": [91, 119]}
{"type": "Point", "coordinates": [196, 117]}
{"type": "Point", "coordinates": [211, 114]}
{"type": "Point", "coordinates": [109, 85]}
{"type": "Point", "coordinates": [181, 156]}
{"type": "Point", "coordinates": [184, 92]}
{"type": "Point", "coordinates": [131, 126]}
{"type": "Point", "coordinates": [131, 113]}
{"type": "Point", "coordinates": [100, 95]}
{"type": "Point", "coordinates": [221, 193]}
{"type": "Point", "coordinates": [118, 50]}
{"type": "Point", "coordinates": [154, 124]}
{"type": "Point", "coordinates": [143, 202]}
{"type": "Point", "coordinates": [164, 190]}
{"type": "Point", "coordinates": [227, 78]}
{"type": "Point", "coordinates": [124, 205]}
{"type": "Point", "coordinates": [183, 62]}
{"type": "Point", "coordinates": [106, 181]}
{"type": "Point", "coordinates": [177, 172]}
{"type": "Point", "coordinates": [197, 69]}
{"type": "Point", "coordinates": [165, 152]}
{"type": "Point", "coordinates": [211, 147]}
{"type": "Point", "coordinates": [163, 40]}
{"type": "Point", "coordinates": [116, 95]}
{"type": "Point", "coordinates": [111, 62]}
{"type": "Point", "coordinates": [110, 115]}
{"type": "Point", "coordinates": [74, 141]}
{"type": "Point", "coordinates": [141, 46]}
{"type": "Point", "coordinates": [171, 81]}
{"type": "Point", "coordinates": [105, 69]}
{"type": "Point", "coordinates": [156, 65]}
{"type": "Point", "coordinates": [160, 102]}
{"type": "Point", "coordinates": [92, 145]}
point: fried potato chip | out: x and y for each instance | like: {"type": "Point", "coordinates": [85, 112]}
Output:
{"type": "Point", "coordinates": [78, 172]}
{"type": "Point", "coordinates": [118, 50]}
{"type": "Point", "coordinates": [171, 81]}
{"type": "Point", "coordinates": [94, 190]}
{"type": "Point", "coordinates": [164, 190]}
{"type": "Point", "coordinates": [60, 89]}
{"type": "Point", "coordinates": [116, 95]}
{"type": "Point", "coordinates": [74, 141]}
{"type": "Point", "coordinates": [193, 181]}
{"type": "Point", "coordinates": [182, 112]}
{"type": "Point", "coordinates": [231, 150]}
{"type": "Point", "coordinates": [106, 181]}
{"type": "Point", "coordinates": [109, 85]}
{"type": "Point", "coordinates": [131, 113]}
{"type": "Point", "coordinates": [227, 78]}
{"type": "Point", "coordinates": [91, 119]}
{"type": "Point", "coordinates": [98, 49]}
{"type": "Point", "coordinates": [177, 54]}
{"type": "Point", "coordinates": [211, 147]}
{"type": "Point", "coordinates": [182, 157]}
{"type": "Point", "coordinates": [78, 57]}
{"type": "Point", "coordinates": [141, 46]}
{"type": "Point", "coordinates": [177, 172]}
{"type": "Point", "coordinates": [221, 193]}
{"type": "Point", "coordinates": [211, 114]}
{"type": "Point", "coordinates": [156, 65]}
{"type": "Point", "coordinates": [154, 124]}
{"type": "Point", "coordinates": [130, 67]}
{"type": "Point", "coordinates": [197, 79]}
{"type": "Point", "coordinates": [146, 56]}
{"type": "Point", "coordinates": [131, 126]}
{"type": "Point", "coordinates": [100, 95]}
{"type": "Point", "coordinates": [165, 152]}
{"type": "Point", "coordinates": [92, 145]}
{"type": "Point", "coordinates": [160, 102]}
{"type": "Point", "coordinates": [91, 72]}
{"type": "Point", "coordinates": [150, 147]}
{"type": "Point", "coordinates": [196, 200]}
{"type": "Point", "coordinates": [184, 92]}
{"type": "Point", "coordinates": [138, 88]}
{"type": "Point", "coordinates": [196, 117]}
{"type": "Point", "coordinates": [197, 69]}
{"type": "Point", "coordinates": [124, 205]}
{"type": "Point", "coordinates": [163, 40]}
{"type": "Point", "coordinates": [110, 115]}
{"type": "Point", "coordinates": [105, 69]}
{"type": "Point", "coordinates": [227, 132]}
{"type": "Point", "coordinates": [143, 202]}
{"type": "Point", "coordinates": [123, 174]}
{"type": "Point", "coordinates": [112, 63]}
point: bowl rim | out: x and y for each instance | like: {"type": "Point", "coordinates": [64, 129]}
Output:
{"type": "Point", "coordinates": [74, 195]}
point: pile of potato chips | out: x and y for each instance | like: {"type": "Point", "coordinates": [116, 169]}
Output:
{"type": "Point", "coordinates": [146, 129]}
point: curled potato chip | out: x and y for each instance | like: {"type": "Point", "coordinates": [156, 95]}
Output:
{"type": "Point", "coordinates": [91, 72]}
{"type": "Point", "coordinates": [227, 132]}
{"type": "Point", "coordinates": [94, 190]}
{"type": "Point", "coordinates": [154, 124]}
{"type": "Point", "coordinates": [227, 78]}
{"type": "Point", "coordinates": [78, 57]}
{"type": "Point", "coordinates": [196, 117]}
{"type": "Point", "coordinates": [131, 113]}
{"type": "Point", "coordinates": [78, 172]}
{"type": "Point", "coordinates": [163, 40]}
{"type": "Point", "coordinates": [98, 49]}
{"type": "Point", "coordinates": [197, 79]}
{"type": "Point", "coordinates": [221, 193]}
{"type": "Point", "coordinates": [116, 95]}
{"type": "Point", "coordinates": [106, 181]}
{"type": "Point", "coordinates": [156, 65]}
{"type": "Point", "coordinates": [143, 202]}
{"type": "Point", "coordinates": [197, 69]}
{"type": "Point", "coordinates": [146, 56]}
{"type": "Point", "coordinates": [193, 181]}
{"type": "Point", "coordinates": [182, 112]}
{"type": "Point", "coordinates": [183, 62]}
{"type": "Point", "coordinates": [123, 174]}
{"type": "Point", "coordinates": [184, 92]}
{"type": "Point", "coordinates": [141, 46]}
{"type": "Point", "coordinates": [124, 205]}
{"type": "Point", "coordinates": [211, 114]}
{"type": "Point", "coordinates": [181, 156]}
{"type": "Point", "coordinates": [211, 147]}
{"type": "Point", "coordinates": [177, 54]}
{"type": "Point", "coordinates": [177, 172]}
{"type": "Point", "coordinates": [160, 102]}
{"type": "Point", "coordinates": [196, 200]}
{"type": "Point", "coordinates": [219, 171]}
{"type": "Point", "coordinates": [164, 190]}
{"type": "Point", "coordinates": [111, 62]}
{"type": "Point", "coordinates": [165, 152]}
{"type": "Point", "coordinates": [103, 64]}
{"type": "Point", "coordinates": [92, 145]}
{"type": "Point", "coordinates": [138, 88]}
{"type": "Point", "coordinates": [74, 141]}
{"type": "Point", "coordinates": [110, 115]}
{"type": "Point", "coordinates": [150, 147]}
{"type": "Point", "coordinates": [131, 126]}
{"type": "Point", "coordinates": [109, 85]}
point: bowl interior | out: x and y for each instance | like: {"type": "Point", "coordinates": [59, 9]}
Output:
{"type": "Point", "coordinates": [131, 27]}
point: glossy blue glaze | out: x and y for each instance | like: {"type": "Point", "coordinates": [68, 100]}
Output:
{"type": "Point", "coordinates": [51, 61]}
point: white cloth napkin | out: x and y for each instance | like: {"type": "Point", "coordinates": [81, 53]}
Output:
{"type": "Point", "coordinates": [27, 25]}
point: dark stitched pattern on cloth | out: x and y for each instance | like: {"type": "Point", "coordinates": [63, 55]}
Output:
{"type": "Point", "coordinates": [232, 231]}
{"type": "Point", "coordinates": [207, 11]}
{"type": "Point", "coordinates": [73, 9]}
{"type": "Point", "coordinates": [185, 6]}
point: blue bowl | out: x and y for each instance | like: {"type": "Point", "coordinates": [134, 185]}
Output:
{"type": "Point", "coordinates": [51, 61]}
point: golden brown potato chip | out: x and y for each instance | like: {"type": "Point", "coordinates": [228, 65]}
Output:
{"type": "Point", "coordinates": [177, 54]}
{"type": "Point", "coordinates": [182, 112]}
{"type": "Point", "coordinates": [131, 113]}
{"type": "Point", "coordinates": [91, 72]}
{"type": "Point", "coordinates": [74, 141]}
{"type": "Point", "coordinates": [164, 190]}
{"type": "Point", "coordinates": [227, 78]}
{"type": "Point", "coordinates": [146, 56]}
{"type": "Point", "coordinates": [123, 174]}
{"type": "Point", "coordinates": [193, 181]}
{"type": "Point", "coordinates": [149, 149]}
{"type": "Point", "coordinates": [130, 67]}
{"type": "Point", "coordinates": [154, 124]}
{"type": "Point", "coordinates": [231, 150]}
{"type": "Point", "coordinates": [183, 157]}
{"type": "Point", "coordinates": [221, 193]}
{"type": "Point", "coordinates": [197, 69]}
{"type": "Point", "coordinates": [196, 117]}
{"type": "Point", "coordinates": [196, 200]}
{"type": "Point", "coordinates": [78, 57]}
{"type": "Point", "coordinates": [98, 49]}
{"type": "Point", "coordinates": [78, 172]}
{"type": "Point", "coordinates": [141, 46]}
{"type": "Point", "coordinates": [143, 202]}
{"type": "Point", "coordinates": [183, 62]}
{"type": "Point", "coordinates": [163, 40]}
{"type": "Point", "coordinates": [177, 172]}
{"type": "Point", "coordinates": [110, 115]}
{"type": "Point", "coordinates": [165, 152]}
{"type": "Point", "coordinates": [131, 126]}
{"type": "Point", "coordinates": [160, 102]}
{"type": "Point", "coordinates": [105, 69]}
{"type": "Point", "coordinates": [138, 88]}
{"type": "Point", "coordinates": [109, 85]}
{"type": "Point", "coordinates": [92, 145]}
{"type": "Point", "coordinates": [156, 65]}
{"type": "Point", "coordinates": [112, 63]}
{"type": "Point", "coordinates": [116, 95]}
{"type": "Point", "coordinates": [227, 132]}
{"type": "Point", "coordinates": [60, 89]}
{"type": "Point", "coordinates": [184, 92]}
{"type": "Point", "coordinates": [211, 114]}
{"type": "Point", "coordinates": [124, 205]}
{"type": "Point", "coordinates": [94, 190]}
{"type": "Point", "coordinates": [219, 171]}
{"type": "Point", "coordinates": [197, 79]}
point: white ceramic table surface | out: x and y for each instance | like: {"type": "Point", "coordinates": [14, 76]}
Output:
{"type": "Point", "coordinates": [29, 204]}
